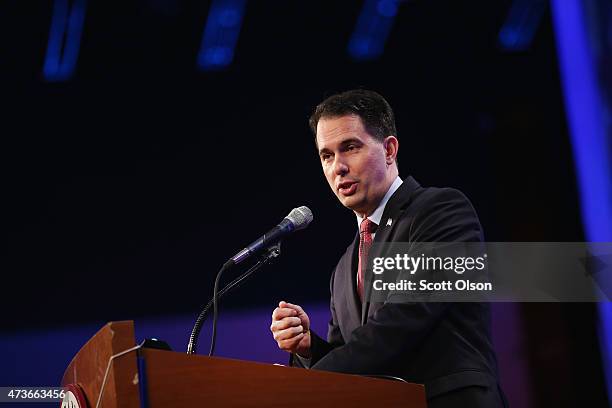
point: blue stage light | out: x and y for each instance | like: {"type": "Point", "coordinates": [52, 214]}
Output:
{"type": "Point", "coordinates": [522, 23]}
{"type": "Point", "coordinates": [221, 34]}
{"type": "Point", "coordinates": [372, 29]}
{"type": "Point", "coordinates": [64, 40]}
{"type": "Point", "coordinates": [591, 141]}
{"type": "Point", "coordinates": [387, 8]}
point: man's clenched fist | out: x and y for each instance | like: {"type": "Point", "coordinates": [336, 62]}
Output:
{"type": "Point", "coordinates": [291, 329]}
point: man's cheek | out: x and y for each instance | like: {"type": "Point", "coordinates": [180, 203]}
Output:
{"type": "Point", "coordinates": [329, 180]}
{"type": "Point", "coordinates": [331, 185]}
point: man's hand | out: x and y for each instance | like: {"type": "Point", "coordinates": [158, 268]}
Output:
{"type": "Point", "coordinates": [291, 329]}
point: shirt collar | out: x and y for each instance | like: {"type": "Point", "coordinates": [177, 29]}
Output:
{"type": "Point", "coordinates": [378, 212]}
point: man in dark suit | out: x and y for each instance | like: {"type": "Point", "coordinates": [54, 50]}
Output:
{"type": "Point", "coordinates": [446, 346]}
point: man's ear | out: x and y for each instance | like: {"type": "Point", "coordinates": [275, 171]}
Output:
{"type": "Point", "coordinates": [391, 146]}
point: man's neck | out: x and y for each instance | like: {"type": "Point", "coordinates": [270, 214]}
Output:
{"type": "Point", "coordinates": [388, 181]}
{"type": "Point", "coordinates": [376, 213]}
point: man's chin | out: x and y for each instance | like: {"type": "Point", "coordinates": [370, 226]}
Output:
{"type": "Point", "coordinates": [351, 202]}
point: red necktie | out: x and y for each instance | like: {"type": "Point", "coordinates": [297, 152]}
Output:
{"type": "Point", "coordinates": [366, 229]}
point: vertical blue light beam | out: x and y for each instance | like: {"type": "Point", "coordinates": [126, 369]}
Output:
{"type": "Point", "coordinates": [372, 30]}
{"type": "Point", "coordinates": [521, 25]}
{"type": "Point", "coordinates": [64, 40]}
{"type": "Point", "coordinates": [221, 34]}
{"type": "Point", "coordinates": [590, 142]}
{"type": "Point", "coordinates": [56, 38]}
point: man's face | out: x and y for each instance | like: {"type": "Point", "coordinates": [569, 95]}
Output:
{"type": "Point", "coordinates": [355, 164]}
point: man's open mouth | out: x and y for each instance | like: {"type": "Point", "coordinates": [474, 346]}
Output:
{"type": "Point", "coordinates": [347, 188]}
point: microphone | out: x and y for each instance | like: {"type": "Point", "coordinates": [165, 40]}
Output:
{"type": "Point", "coordinates": [298, 219]}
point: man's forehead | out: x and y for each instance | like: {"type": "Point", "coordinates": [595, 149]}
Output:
{"type": "Point", "coordinates": [336, 130]}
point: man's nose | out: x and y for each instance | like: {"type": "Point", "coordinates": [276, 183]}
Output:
{"type": "Point", "coordinates": [340, 167]}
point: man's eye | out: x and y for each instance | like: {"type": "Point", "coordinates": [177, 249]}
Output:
{"type": "Point", "coordinates": [325, 157]}
{"type": "Point", "coordinates": [351, 147]}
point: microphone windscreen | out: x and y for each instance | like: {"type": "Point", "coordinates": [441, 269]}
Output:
{"type": "Point", "coordinates": [300, 217]}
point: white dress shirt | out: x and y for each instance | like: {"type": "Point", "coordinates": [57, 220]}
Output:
{"type": "Point", "coordinates": [376, 216]}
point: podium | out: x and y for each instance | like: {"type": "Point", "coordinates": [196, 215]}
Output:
{"type": "Point", "coordinates": [110, 371]}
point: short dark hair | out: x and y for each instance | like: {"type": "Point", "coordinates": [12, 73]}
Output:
{"type": "Point", "coordinates": [374, 111]}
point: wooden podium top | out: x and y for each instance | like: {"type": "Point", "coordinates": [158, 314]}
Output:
{"type": "Point", "coordinates": [157, 378]}
{"type": "Point", "coordinates": [88, 367]}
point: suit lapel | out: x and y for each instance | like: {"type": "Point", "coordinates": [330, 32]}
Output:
{"type": "Point", "coordinates": [393, 210]}
{"type": "Point", "coordinates": [354, 303]}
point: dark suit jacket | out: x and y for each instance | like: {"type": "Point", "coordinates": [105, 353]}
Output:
{"type": "Point", "coordinates": [446, 346]}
